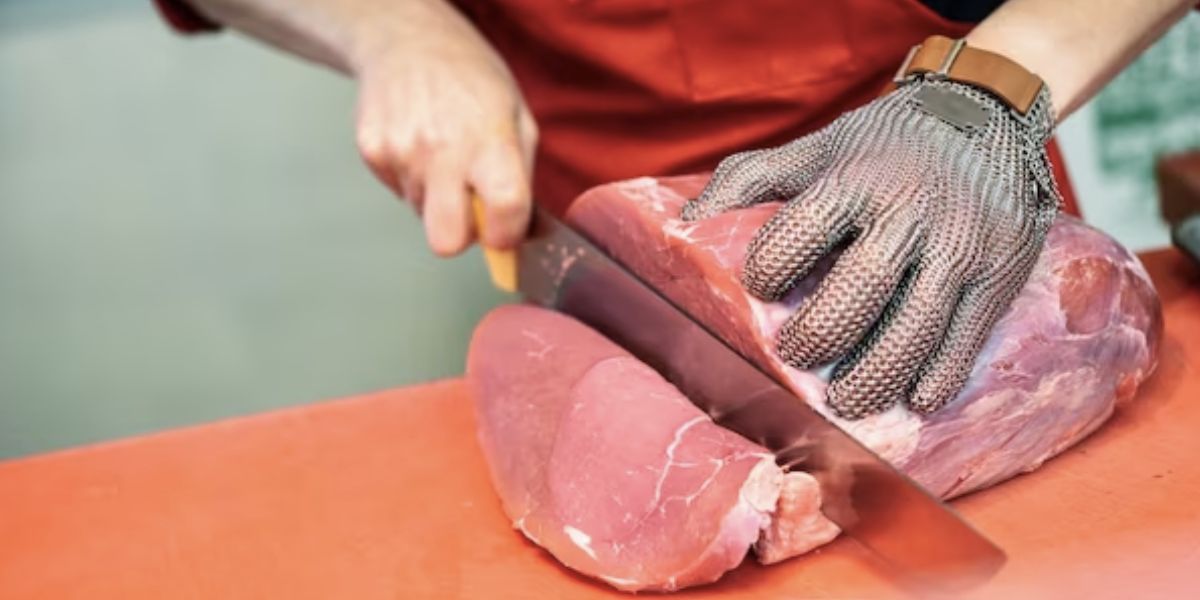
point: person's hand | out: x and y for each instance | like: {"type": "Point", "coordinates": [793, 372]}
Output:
{"type": "Point", "coordinates": [439, 118]}
{"type": "Point", "coordinates": [946, 225]}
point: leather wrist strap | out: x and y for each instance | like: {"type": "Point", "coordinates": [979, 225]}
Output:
{"type": "Point", "coordinates": [940, 56]}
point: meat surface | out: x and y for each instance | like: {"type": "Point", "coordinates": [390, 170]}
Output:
{"type": "Point", "coordinates": [607, 466]}
{"type": "Point", "coordinates": [1080, 338]}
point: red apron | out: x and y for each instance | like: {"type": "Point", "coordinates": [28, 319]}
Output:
{"type": "Point", "coordinates": [622, 88]}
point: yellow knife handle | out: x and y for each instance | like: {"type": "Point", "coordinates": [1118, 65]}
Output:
{"type": "Point", "coordinates": [501, 264]}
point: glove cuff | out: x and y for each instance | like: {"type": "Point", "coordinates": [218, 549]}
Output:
{"type": "Point", "coordinates": [940, 57]}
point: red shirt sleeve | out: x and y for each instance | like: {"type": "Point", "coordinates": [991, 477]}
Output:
{"type": "Point", "coordinates": [183, 18]}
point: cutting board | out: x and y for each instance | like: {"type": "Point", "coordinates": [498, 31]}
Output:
{"type": "Point", "coordinates": [387, 496]}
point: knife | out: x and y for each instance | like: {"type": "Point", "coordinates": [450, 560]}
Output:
{"type": "Point", "coordinates": [923, 541]}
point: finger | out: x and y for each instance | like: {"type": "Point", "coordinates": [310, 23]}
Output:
{"type": "Point", "coordinates": [787, 246]}
{"type": "Point", "coordinates": [854, 293]}
{"type": "Point", "coordinates": [499, 176]}
{"type": "Point", "coordinates": [413, 170]}
{"type": "Point", "coordinates": [387, 159]}
{"type": "Point", "coordinates": [951, 364]}
{"type": "Point", "coordinates": [527, 135]}
{"type": "Point", "coordinates": [748, 178]}
{"type": "Point", "coordinates": [446, 207]}
{"type": "Point", "coordinates": [883, 372]}
{"type": "Point", "coordinates": [412, 189]}
{"type": "Point", "coordinates": [372, 145]}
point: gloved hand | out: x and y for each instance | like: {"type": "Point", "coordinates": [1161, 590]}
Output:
{"type": "Point", "coordinates": [947, 210]}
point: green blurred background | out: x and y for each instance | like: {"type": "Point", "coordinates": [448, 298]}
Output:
{"type": "Point", "coordinates": [186, 232]}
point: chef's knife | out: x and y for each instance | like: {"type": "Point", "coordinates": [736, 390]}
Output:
{"type": "Point", "coordinates": [921, 538]}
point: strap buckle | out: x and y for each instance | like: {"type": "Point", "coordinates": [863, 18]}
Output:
{"type": "Point", "coordinates": [943, 72]}
{"type": "Point", "coordinates": [902, 75]}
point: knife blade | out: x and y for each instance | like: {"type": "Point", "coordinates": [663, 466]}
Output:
{"type": "Point", "coordinates": [921, 539]}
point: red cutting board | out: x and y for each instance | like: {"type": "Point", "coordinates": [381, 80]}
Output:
{"type": "Point", "coordinates": [386, 496]}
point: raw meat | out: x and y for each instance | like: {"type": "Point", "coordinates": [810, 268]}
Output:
{"type": "Point", "coordinates": [1080, 338]}
{"type": "Point", "coordinates": [604, 464]}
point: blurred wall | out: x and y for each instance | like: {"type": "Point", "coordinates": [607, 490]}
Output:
{"type": "Point", "coordinates": [1150, 109]}
{"type": "Point", "coordinates": [186, 232]}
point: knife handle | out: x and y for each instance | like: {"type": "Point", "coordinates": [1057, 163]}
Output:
{"type": "Point", "coordinates": [501, 264]}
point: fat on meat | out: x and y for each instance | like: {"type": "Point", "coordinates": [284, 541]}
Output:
{"type": "Point", "coordinates": [608, 467]}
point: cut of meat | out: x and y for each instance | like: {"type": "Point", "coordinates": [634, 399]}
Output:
{"type": "Point", "coordinates": [1082, 335]}
{"type": "Point", "coordinates": [606, 465]}
{"type": "Point", "coordinates": [603, 463]}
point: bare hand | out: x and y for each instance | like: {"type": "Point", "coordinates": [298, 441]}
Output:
{"type": "Point", "coordinates": [440, 116]}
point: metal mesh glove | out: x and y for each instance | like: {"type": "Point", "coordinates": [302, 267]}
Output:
{"type": "Point", "coordinates": [944, 195]}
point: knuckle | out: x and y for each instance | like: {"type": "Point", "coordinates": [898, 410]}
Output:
{"type": "Point", "coordinates": [371, 146]}
{"type": "Point", "coordinates": [506, 198]}
{"type": "Point", "coordinates": [826, 330]}
{"type": "Point", "coordinates": [498, 169]}
{"type": "Point", "coordinates": [803, 342]}
{"type": "Point", "coordinates": [506, 220]}
{"type": "Point", "coordinates": [385, 151]}
{"type": "Point", "coordinates": [509, 207]}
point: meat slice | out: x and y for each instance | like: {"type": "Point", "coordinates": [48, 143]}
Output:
{"type": "Point", "coordinates": [1082, 335]}
{"type": "Point", "coordinates": [605, 464]}
{"type": "Point", "coordinates": [608, 467]}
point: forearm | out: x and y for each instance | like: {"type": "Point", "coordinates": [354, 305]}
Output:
{"type": "Point", "coordinates": [1076, 46]}
{"type": "Point", "coordinates": [341, 34]}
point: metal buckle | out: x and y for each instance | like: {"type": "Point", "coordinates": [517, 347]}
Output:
{"type": "Point", "coordinates": [943, 71]}
{"type": "Point", "coordinates": [901, 73]}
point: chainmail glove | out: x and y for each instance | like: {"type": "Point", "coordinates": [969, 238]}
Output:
{"type": "Point", "coordinates": [944, 196]}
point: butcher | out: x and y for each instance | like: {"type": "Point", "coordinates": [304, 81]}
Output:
{"type": "Point", "coordinates": [912, 136]}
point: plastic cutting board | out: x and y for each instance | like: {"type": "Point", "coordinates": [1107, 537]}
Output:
{"type": "Point", "coordinates": [386, 496]}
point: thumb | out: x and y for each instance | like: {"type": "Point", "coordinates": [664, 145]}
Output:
{"type": "Point", "coordinates": [755, 176]}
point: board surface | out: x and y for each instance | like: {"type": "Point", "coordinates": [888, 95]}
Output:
{"type": "Point", "coordinates": [387, 496]}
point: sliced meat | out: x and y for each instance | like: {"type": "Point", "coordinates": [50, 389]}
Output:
{"type": "Point", "coordinates": [606, 465]}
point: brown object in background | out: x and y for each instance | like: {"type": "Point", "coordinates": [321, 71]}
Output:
{"type": "Point", "coordinates": [1178, 177]}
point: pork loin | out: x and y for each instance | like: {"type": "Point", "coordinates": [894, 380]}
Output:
{"type": "Point", "coordinates": [606, 465]}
